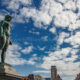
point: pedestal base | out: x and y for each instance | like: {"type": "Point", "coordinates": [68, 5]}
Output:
{"type": "Point", "coordinates": [9, 77]}
{"type": "Point", "coordinates": [8, 73]}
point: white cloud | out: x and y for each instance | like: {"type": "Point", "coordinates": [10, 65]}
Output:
{"type": "Point", "coordinates": [74, 39]}
{"type": "Point", "coordinates": [78, 3]}
{"type": "Point", "coordinates": [53, 30]}
{"type": "Point", "coordinates": [38, 16]}
{"type": "Point", "coordinates": [34, 32]}
{"type": "Point", "coordinates": [70, 5]}
{"type": "Point", "coordinates": [51, 7]}
{"type": "Point", "coordinates": [42, 71]}
{"type": "Point", "coordinates": [27, 12]}
{"type": "Point", "coordinates": [74, 26]}
{"type": "Point", "coordinates": [26, 43]}
{"type": "Point", "coordinates": [14, 5]}
{"type": "Point", "coordinates": [17, 18]}
{"type": "Point", "coordinates": [41, 48]}
{"type": "Point", "coordinates": [32, 59]}
{"type": "Point", "coordinates": [61, 39]}
{"type": "Point", "coordinates": [62, 1]}
{"type": "Point", "coordinates": [26, 2]}
{"type": "Point", "coordinates": [41, 18]}
{"type": "Point", "coordinates": [49, 11]}
{"type": "Point", "coordinates": [27, 50]}
{"type": "Point", "coordinates": [64, 19]}
{"type": "Point", "coordinates": [44, 38]}
{"type": "Point", "coordinates": [34, 55]}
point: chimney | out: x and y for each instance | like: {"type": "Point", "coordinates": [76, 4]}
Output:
{"type": "Point", "coordinates": [53, 72]}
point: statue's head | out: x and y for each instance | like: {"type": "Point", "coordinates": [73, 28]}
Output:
{"type": "Point", "coordinates": [8, 18]}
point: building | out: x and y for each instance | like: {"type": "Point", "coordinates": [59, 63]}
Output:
{"type": "Point", "coordinates": [31, 77]}
{"type": "Point", "coordinates": [78, 77]}
{"type": "Point", "coordinates": [47, 78]}
{"type": "Point", "coordinates": [54, 75]}
{"type": "Point", "coordinates": [53, 72]}
{"type": "Point", "coordinates": [25, 78]}
{"type": "Point", "coordinates": [35, 77]}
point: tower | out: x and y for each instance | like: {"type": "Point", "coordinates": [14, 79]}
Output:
{"type": "Point", "coordinates": [53, 72]}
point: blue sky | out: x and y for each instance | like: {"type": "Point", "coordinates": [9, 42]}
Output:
{"type": "Point", "coordinates": [44, 33]}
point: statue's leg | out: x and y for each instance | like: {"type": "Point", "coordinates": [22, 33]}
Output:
{"type": "Point", "coordinates": [3, 55]}
{"type": "Point", "coordinates": [2, 42]}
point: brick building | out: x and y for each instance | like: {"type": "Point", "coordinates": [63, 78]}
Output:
{"type": "Point", "coordinates": [35, 77]}
{"type": "Point", "coordinates": [25, 78]}
{"type": "Point", "coordinates": [54, 75]}
{"type": "Point", "coordinates": [31, 77]}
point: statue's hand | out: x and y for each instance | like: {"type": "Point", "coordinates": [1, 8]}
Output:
{"type": "Point", "coordinates": [10, 43]}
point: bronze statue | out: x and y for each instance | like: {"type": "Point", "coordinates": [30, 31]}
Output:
{"type": "Point", "coordinates": [5, 36]}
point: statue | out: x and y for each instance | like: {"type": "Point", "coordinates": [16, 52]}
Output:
{"type": "Point", "coordinates": [5, 36]}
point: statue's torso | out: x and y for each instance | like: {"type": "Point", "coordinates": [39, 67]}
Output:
{"type": "Point", "coordinates": [5, 33]}
{"type": "Point", "coordinates": [6, 28]}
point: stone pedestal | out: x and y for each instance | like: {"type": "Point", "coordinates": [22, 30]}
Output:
{"type": "Point", "coordinates": [8, 73]}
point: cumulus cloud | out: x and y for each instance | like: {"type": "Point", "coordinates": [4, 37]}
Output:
{"type": "Point", "coordinates": [64, 19]}
{"type": "Point", "coordinates": [53, 30]}
{"type": "Point", "coordinates": [27, 50]}
{"type": "Point", "coordinates": [44, 38]}
{"type": "Point", "coordinates": [74, 26]}
{"type": "Point", "coordinates": [32, 59]}
{"type": "Point", "coordinates": [41, 48]}
{"type": "Point", "coordinates": [78, 3]}
{"type": "Point", "coordinates": [49, 11]}
{"type": "Point", "coordinates": [26, 43]}
{"type": "Point", "coordinates": [42, 71]}
{"type": "Point", "coordinates": [51, 7]}
{"type": "Point", "coordinates": [15, 4]}
{"type": "Point", "coordinates": [61, 39]}
{"type": "Point", "coordinates": [34, 32]}
{"type": "Point", "coordinates": [73, 39]}
{"type": "Point", "coordinates": [70, 5]}
{"type": "Point", "coordinates": [62, 1]}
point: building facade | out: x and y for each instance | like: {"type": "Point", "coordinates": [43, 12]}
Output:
{"type": "Point", "coordinates": [31, 77]}
{"type": "Point", "coordinates": [25, 78]}
{"type": "Point", "coordinates": [35, 77]}
{"type": "Point", "coordinates": [53, 72]}
{"type": "Point", "coordinates": [54, 75]}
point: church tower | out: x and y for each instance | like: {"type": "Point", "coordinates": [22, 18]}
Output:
{"type": "Point", "coordinates": [53, 72]}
